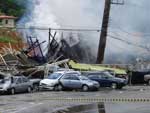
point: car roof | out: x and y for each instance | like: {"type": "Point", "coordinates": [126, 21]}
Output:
{"type": "Point", "coordinates": [95, 72]}
{"type": "Point", "coordinates": [18, 76]}
{"type": "Point", "coordinates": [63, 72]}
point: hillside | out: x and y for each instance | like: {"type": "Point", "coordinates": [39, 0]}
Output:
{"type": "Point", "coordinates": [13, 38]}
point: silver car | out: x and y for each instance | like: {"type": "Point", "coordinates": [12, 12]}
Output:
{"type": "Point", "coordinates": [75, 81]}
{"type": "Point", "coordinates": [15, 84]}
{"type": "Point", "coordinates": [68, 80]}
{"type": "Point", "coordinates": [52, 81]}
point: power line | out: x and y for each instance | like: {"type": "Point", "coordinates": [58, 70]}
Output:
{"type": "Point", "coordinates": [57, 29]}
{"type": "Point", "coordinates": [117, 46]}
{"type": "Point", "coordinates": [129, 43]}
{"type": "Point", "coordinates": [127, 32]}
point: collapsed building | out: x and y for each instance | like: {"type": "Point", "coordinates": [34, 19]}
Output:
{"type": "Point", "coordinates": [30, 58]}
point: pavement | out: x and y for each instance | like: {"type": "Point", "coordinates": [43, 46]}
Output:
{"type": "Point", "coordinates": [48, 101]}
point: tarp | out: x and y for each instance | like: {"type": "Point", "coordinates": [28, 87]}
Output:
{"type": "Point", "coordinates": [88, 67]}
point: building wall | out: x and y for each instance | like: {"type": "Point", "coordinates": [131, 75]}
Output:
{"type": "Point", "coordinates": [7, 23]}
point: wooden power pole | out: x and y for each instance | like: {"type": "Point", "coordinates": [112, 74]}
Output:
{"type": "Point", "coordinates": [104, 29]}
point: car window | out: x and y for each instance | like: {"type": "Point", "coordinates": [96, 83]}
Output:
{"type": "Point", "coordinates": [14, 80]}
{"type": "Point", "coordinates": [74, 77]}
{"type": "Point", "coordinates": [103, 76]}
{"type": "Point", "coordinates": [84, 78]}
{"type": "Point", "coordinates": [24, 79]}
{"type": "Point", "coordinates": [54, 76]}
{"type": "Point", "coordinates": [107, 74]}
{"type": "Point", "coordinates": [4, 80]}
{"type": "Point", "coordinates": [67, 76]}
{"type": "Point", "coordinates": [18, 81]}
{"type": "Point", "coordinates": [70, 76]}
{"type": "Point", "coordinates": [94, 76]}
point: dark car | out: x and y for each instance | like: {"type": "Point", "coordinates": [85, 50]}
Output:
{"type": "Point", "coordinates": [15, 84]}
{"type": "Point", "coordinates": [105, 79]}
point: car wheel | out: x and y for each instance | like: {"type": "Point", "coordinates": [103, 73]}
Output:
{"type": "Point", "coordinates": [29, 89]}
{"type": "Point", "coordinates": [35, 87]}
{"type": "Point", "coordinates": [12, 91]}
{"type": "Point", "coordinates": [58, 87]}
{"type": "Point", "coordinates": [114, 86]}
{"type": "Point", "coordinates": [120, 87]}
{"type": "Point", "coordinates": [85, 88]}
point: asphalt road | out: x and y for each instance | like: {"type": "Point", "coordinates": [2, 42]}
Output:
{"type": "Point", "coordinates": [38, 102]}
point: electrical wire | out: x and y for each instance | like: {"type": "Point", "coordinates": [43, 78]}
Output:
{"type": "Point", "coordinates": [57, 29]}
{"type": "Point", "coordinates": [129, 43]}
{"type": "Point", "coordinates": [127, 32]}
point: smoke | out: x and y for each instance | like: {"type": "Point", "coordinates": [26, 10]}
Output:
{"type": "Point", "coordinates": [129, 22]}
{"type": "Point", "coordinates": [65, 14]}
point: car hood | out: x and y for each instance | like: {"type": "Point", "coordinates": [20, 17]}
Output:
{"type": "Point", "coordinates": [4, 85]}
{"type": "Point", "coordinates": [35, 80]}
{"type": "Point", "coordinates": [119, 79]}
{"type": "Point", "coordinates": [48, 81]}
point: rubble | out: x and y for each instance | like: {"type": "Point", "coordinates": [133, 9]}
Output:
{"type": "Point", "coordinates": [31, 61]}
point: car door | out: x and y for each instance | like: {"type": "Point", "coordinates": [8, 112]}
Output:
{"type": "Point", "coordinates": [104, 80]}
{"type": "Point", "coordinates": [95, 77]}
{"type": "Point", "coordinates": [18, 85]}
{"type": "Point", "coordinates": [66, 80]}
{"type": "Point", "coordinates": [24, 84]}
{"type": "Point", "coordinates": [75, 81]}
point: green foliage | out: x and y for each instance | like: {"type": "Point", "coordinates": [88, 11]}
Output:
{"type": "Point", "coordinates": [4, 39]}
{"type": "Point", "coordinates": [12, 7]}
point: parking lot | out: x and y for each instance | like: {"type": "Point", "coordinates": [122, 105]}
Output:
{"type": "Point", "coordinates": [21, 102]}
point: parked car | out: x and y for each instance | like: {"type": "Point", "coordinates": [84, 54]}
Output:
{"type": "Point", "coordinates": [34, 79]}
{"type": "Point", "coordinates": [52, 81]}
{"type": "Point", "coordinates": [75, 81]}
{"type": "Point", "coordinates": [105, 79]}
{"type": "Point", "coordinates": [68, 80]}
{"type": "Point", "coordinates": [15, 84]}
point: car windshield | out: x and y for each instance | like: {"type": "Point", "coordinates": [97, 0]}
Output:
{"type": "Point", "coordinates": [4, 80]}
{"type": "Point", "coordinates": [108, 74]}
{"type": "Point", "coordinates": [84, 78]}
{"type": "Point", "coordinates": [54, 76]}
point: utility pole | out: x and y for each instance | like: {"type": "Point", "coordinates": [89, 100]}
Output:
{"type": "Point", "coordinates": [104, 29]}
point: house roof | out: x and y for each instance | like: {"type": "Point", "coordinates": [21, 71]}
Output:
{"type": "Point", "coordinates": [7, 17]}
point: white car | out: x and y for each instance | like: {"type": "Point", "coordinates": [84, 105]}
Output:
{"type": "Point", "coordinates": [52, 81]}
